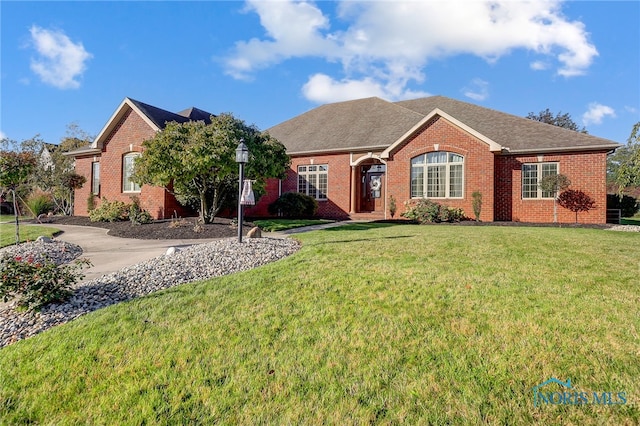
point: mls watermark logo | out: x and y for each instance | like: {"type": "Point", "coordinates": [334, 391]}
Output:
{"type": "Point", "coordinates": [546, 393]}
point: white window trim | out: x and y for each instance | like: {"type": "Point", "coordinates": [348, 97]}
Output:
{"type": "Point", "coordinates": [447, 177]}
{"type": "Point", "coordinates": [539, 196]}
{"type": "Point", "coordinates": [317, 172]}
{"type": "Point", "coordinates": [129, 191]}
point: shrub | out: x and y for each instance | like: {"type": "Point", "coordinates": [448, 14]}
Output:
{"type": "Point", "coordinates": [33, 284]}
{"type": "Point", "coordinates": [91, 202]}
{"type": "Point", "coordinates": [109, 211]}
{"type": "Point", "coordinates": [392, 206]}
{"type": "Point", "coordinates": [138, 215]}
{"type": "Point", "coordinates": [294, 204]}
{"type": "Point", "coordinates": [427, 211]}
{"type": "Point", "coordinates": [477, 204]}
{"type": "Point", "coordinates": [39, 203]}
{"type": "Point", "coordinates": [628, 205]}
{"type": "Point", "coordinates": [576, 201]}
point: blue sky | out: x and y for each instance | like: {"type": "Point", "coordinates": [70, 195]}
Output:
{"type": "Point", "coordinates": [268, 61]}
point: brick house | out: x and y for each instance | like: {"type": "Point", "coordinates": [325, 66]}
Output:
{"type": "Point", "coordinates": [354, 156]}
{"type": "Point", "coordinates": [108, 162]}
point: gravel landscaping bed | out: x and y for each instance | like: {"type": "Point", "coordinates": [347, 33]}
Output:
{"type": "Point", "coordinates": [198, 262]}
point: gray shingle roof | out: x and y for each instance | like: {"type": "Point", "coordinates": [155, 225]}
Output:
{"type": "Point", "coordinates": [370, 123]}
{"type": "Point", "coordinates": [160, 116]}
{"type": "Point", "coordinates": [373, 123]}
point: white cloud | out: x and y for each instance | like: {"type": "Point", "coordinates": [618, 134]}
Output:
{"type": "Point", "coordinates": [385, 46]}
{"type": "Point", "coordinates": [539, 65]}
{"type": "Point", "coordinates": [2, 135]}
{"type": "Point", "coordinates": [478, 90]}
{"type": "Point", "coordinates": [596, 113]}
{"type": "Point", "coordinates": [60, 62]}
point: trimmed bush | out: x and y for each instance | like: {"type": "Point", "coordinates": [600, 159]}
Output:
{"type": "Point", "coordinates": [33, 284]}
{"type": "Point", "coordinates": [427, 211]}
{"type": "Point", "coordinates": [294, 205]}
{"type": "Point", "coordinates": [628, 205]}
{"type": "Point", "coordinates": [110, 211]}
{"type": "Point", "coordinates": [138, 215]}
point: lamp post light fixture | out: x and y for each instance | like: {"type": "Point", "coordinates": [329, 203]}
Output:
{"type": "Point", "coordinates": [242, 157]}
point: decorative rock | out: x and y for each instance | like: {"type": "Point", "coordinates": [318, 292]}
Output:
{"type": "Point", "coordinates": [171, 250]}
{"type": "Point", "coordinates": [254, 233]}
{"type": "Point", "coordinates": [43, 239]}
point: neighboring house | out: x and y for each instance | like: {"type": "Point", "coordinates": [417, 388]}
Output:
{"type": "Point", "coordinates": [353, 156]}
{"type": "Point", "coordinates": [108, 162]}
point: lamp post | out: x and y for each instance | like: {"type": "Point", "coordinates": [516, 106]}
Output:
{"type": "Point", "coordinates": [242, 157]}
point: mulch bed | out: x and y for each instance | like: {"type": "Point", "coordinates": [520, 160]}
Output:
{"type": "Point", "coordinates": [162, 229]}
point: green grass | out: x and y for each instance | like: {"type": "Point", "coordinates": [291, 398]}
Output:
{"type": "Point", "coordinates": [274, 225]}
{"type": "Point", "coordinates": [27, 233]}
{"type": "Point", "coordinates": [368, 323]}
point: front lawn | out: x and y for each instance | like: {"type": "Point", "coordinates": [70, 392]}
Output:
{"type": "Point", "coordinates": [27, 233]}
{"type": "Point", "coordinates": [367, 323]}
{"type": "Point", "coordinates": [274, 225]}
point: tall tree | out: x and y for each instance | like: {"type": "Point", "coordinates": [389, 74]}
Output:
{"type": "Point", "coordinates": [196, 161]}
{"type": "Point", "coordinates": [628, 172]}
{"type": "Point", "coordinates": [560, 120]}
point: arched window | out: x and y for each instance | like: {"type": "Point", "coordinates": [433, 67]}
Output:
{"type": "Point", "coordinates": [127, 171]}
{"type": "Point", "coordinates": [437, 175]}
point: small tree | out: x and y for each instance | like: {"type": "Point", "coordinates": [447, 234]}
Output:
{"type": "Point", "coordinates": [477, 204]}
{"type": "Point", "coordinates": [553, 184]}
{"type": "Point", "coordinates": [576, 201]}
{"type": "Point", "coordinates": [15, 168]}
{"type": "Point", "coordinates": [393, 208]}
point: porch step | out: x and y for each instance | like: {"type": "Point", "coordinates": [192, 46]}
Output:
{"type": "Point", "coordinates": [367, 216]}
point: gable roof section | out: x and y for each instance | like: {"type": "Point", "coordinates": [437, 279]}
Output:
{"type": "Point", "coordinates": [493, 146]}
{"type": "Point", "coordinates": [369, 123]}
{"type": "Point", "coordinates": [155, 117]}
{"type": "Point", "coordinates": [515, 134]}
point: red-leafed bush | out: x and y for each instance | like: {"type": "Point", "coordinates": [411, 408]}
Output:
{"type": "Point", "coordinates": [576, 201]}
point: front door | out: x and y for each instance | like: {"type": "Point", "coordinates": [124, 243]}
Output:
{"type": "Point", "coordinates": [371, 180]}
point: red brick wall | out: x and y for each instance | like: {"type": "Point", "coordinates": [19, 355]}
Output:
{"type": "Point", "coordinates": [262, 204]}
{"type": "Point", "coordinates": [478, 166]}
{"type": "Point", "coordinates": [338, 190]}
{"type": "Point", "coordinates": [81, 195]}
{"type": "Point", "coordinates": [127, 137]}
{"type": "Point", "coordinates": [586, 171]}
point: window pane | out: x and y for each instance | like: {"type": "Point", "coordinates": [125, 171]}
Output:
{"type": "Point", "coordinates": [418, 160]}
{"type": "Point", "coordinates": [322, 186]}
{"type": "Point", "coordinates": [455, 158]}
{"type": "Point", "coordinates": [127, 171]}
{"type": "Point", "coordinates": [95, 178]}
{"type": "Point", "coordinates": [455, 180]}
{"type": "Point", "coordinates": [313, 185]}
{"type": "Point", "coordinates": [437, 157]}
{"type": "Point", "coordinates": [302, 169]}
{"type": "Point", "coordinates": [436, 181]}
{"type": "Point", "coordinates": [530, 181]}
{"type": "Point", "coordinates": [302, 184]}
{"type": "Point", "coordinates": [417, 181]}
{"type": "Point", "coordinates": [547, 170]}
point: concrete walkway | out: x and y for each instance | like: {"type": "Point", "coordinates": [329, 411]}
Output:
{"type": "Point", "coordinates": [110, 254]}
